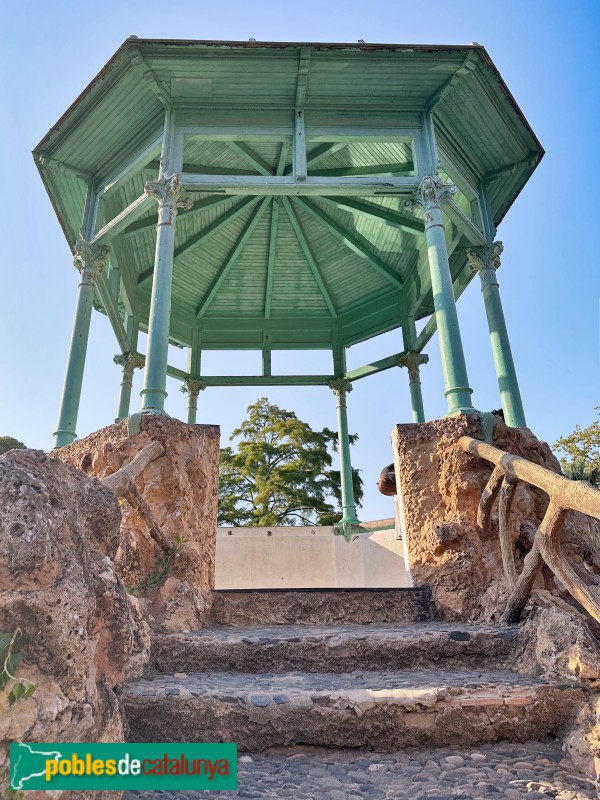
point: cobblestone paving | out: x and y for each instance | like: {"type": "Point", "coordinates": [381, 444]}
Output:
{"type": "Point", "coordinates": [531, 770]}
{"type": "Point", "coordinates": [268, 684]}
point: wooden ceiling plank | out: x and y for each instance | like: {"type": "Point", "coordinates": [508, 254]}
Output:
{"type": "Point", "coordinates": [351, 240]}
{"type": "Point", "coordinates": [251, 157]}
{"type": "Point", "coordinates": [308, 254]}
{"type": "Point", "coordinates": [233, 256]}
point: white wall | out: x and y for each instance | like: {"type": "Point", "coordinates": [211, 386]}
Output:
{"type": "Point", "coordinates": [309, 558]}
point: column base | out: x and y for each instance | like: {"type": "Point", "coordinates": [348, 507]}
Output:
{"type": "Point", "coordinates": [458, 412]}
{"type": "Point", "coordinates": [61, 438]}
{"type": "Point", "coordinates": [346, 527]}
{"type": "Point", "coordinates": [153, 401]}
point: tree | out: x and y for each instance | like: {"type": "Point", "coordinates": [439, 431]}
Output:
{"type": "Point", "coordinates": [8, 443]}
{"type": "Point", "coordinates": [281, 472]}
{"type": "Point", "coordinates": [582, 451]}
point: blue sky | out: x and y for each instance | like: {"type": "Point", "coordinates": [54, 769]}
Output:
{"type": "Point", "coordinates": [549, 55]}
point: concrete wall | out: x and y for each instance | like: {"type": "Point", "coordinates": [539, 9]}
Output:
{"type": "Point", "coordinates": [309, 558]}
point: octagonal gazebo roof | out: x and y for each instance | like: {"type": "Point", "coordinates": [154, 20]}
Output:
{"type": "Point", "coordinates": [307, 265]}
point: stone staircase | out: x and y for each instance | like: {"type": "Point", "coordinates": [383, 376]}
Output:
{"type": "Point", "coordinates": [368, 669]}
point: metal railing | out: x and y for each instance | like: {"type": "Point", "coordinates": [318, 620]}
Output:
{"type": "Point", "coordinates": [565, 495]}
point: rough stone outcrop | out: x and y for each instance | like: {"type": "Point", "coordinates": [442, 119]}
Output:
{"type": "Point", "coordinates": [181, 490]}
{"type": "Point", "coordinates": [59, 531]}
{"type": "Point", "coordinates": [441, 488]}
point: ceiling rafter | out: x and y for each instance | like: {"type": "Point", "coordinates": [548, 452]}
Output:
{"type": "Point", "coordinates": [233, 256]}
{"type": "Point", "coordinates": [386, 216]}
{"type": "Point", "coordinates": [352, 240]}
{"type": "Point", "coordinates": [204, 169]}
{"type": "Point", "coordinates": [206, 233]}
{"type": "Point", "coordinates": [215, 226]}
{"type": "Point", "coordinates": [319, 152]}
{"type": "Point", "coordinates": [271, 257]}
{"type": "Point", "coordinates": [149, 223]}
{"type": "Point", "coordinates": [283, 157]}
{"type": "Point", "coordinates": [308, 254]}
{"type": "Point", "coordinates": [251, 157]}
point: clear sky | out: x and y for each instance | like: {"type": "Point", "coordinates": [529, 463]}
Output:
{"type": "Point", "coordinates": [549, 54]}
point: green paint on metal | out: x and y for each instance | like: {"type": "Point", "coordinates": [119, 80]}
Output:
{"type": "Point", "coordinates": [169, 194]}
{"type": "Point", "coordinates": [458, 393]}
{"type": "Point", "coordinates": [485, 261]}
{"type": "Point", "coordinates": [134, 424]}
{"type": "Point", "coordinates": [308, 126]}
{"type": "Point", "coordinates": [341, 387]}
{"type": "Point", "coordinates": [90, 260]}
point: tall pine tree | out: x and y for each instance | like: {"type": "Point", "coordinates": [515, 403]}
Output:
{"type": "Point", "coordinates": [281, 472]}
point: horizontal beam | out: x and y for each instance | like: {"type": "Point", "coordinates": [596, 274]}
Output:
{"type": "Point", "coordinates": [463, 223]}
{"type": "Point", "coordinates": [266, 380]}
{"type": "Point", "coordinates": [283, 185]}
{"type": "Point", "coordinates": [385, 215]}
{"type": "Point", "coordinates": [122, 221]}
{"type": "Point", "coordinates": [374, 169]}
{"type": "Point", "coordinates": [374, 367]}
{"type": "Point", "coordinates": [203, 169]}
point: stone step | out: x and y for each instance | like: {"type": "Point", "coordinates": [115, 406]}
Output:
{"type": "Point", "coordinates": [333, 648]}
{"type": "Point", "coordinates": [244, 607]}
{"type": "Point", "coordinates": [386, 711]}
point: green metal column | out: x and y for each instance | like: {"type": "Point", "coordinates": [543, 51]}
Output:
{"type": "Point", "coordinates": [412, 361]}
{"type": "Point", "coordinates": [170, 195]}
{"type": "Point", "coordinates": [90, 260]}
{"type": "Point", "coordinates": [458, 393]}
{"type": "Point", "coordinates": [340, 387]}
{"type": "Point", "coordinates": [129, 362]}
{"type": "Point", "coordinates": [485, 261]}
{"type": "Point", "coordinates": [193, 388]}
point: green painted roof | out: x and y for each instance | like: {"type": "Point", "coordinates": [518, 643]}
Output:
{"type": "Point", "coordinates": [302, 272]}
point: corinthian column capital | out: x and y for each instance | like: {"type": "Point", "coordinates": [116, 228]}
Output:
{"type": "Point", "coordinates": [193, 387]}
{"type": "Point", "coordinates": [480, 258]}
{"type": "Point", "coordinates": [340, 386]}
{"type": "Point", "coordinates": [412, 361]}
{"type": "Point", "coordinates": [430, 194]}
{"type": "Point", "coordinates": [90, 259]}
{"type": "Point", "coordinates": [129, 362]}
{"type": "Point", "coordinates": [169, 192]}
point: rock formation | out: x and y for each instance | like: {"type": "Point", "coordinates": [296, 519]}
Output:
{"type": "Point", "coordinates": [59, 532]}
{"type": "Point", "coordinates": [441, 487]}
{"type": "Point", "coordinates": [181, 491]}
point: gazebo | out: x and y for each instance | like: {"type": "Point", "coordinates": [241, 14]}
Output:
{"type": "Point", "coordinates": [285, 196]}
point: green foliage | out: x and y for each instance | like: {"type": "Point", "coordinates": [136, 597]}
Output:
{"type": "Point", "coordinates": [8, 443]}
{"type": "Point", "coordinates": [580, 471]}
{"type": "Point", "coordinates": [11, 655]}
{"type": "Point", "coordinates": [281, 472]}
{"type": "Point", "coordinates": [581, 449]}
{"type": "Point", "coordinates": [161, 569]}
